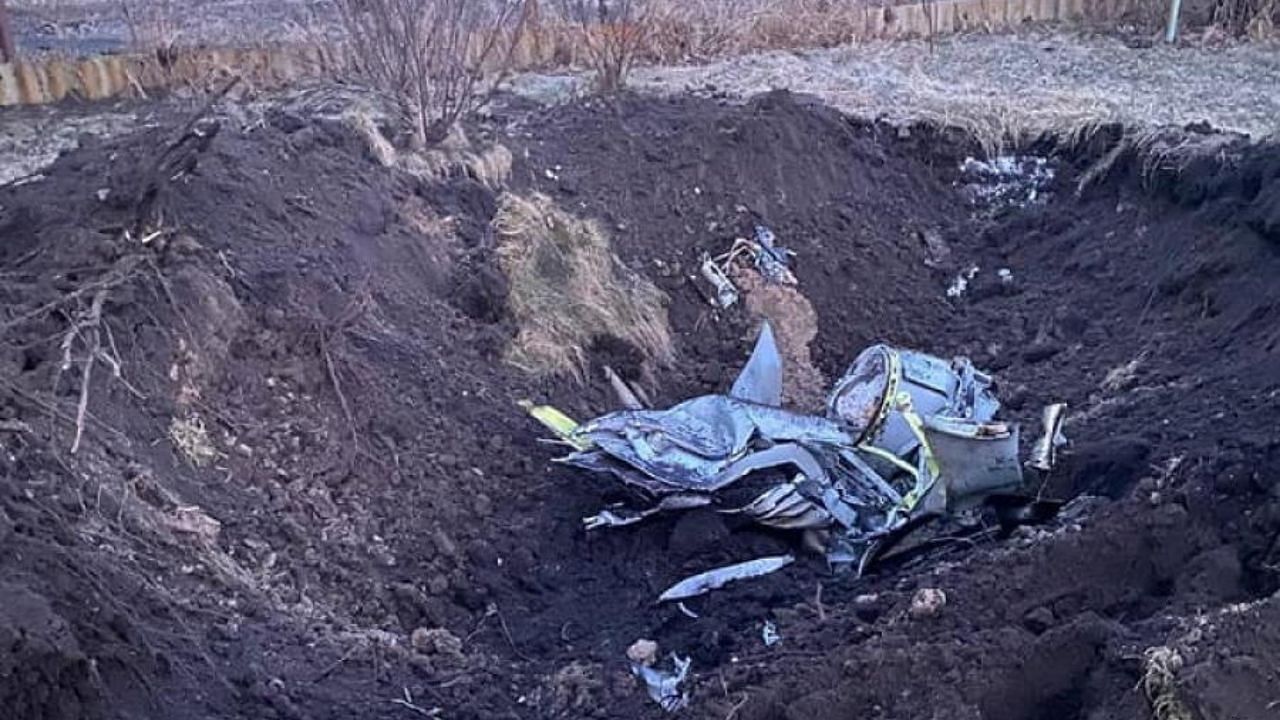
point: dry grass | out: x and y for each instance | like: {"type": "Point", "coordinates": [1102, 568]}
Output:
{"type": "Point", "coordinates": [1005, 88]}
{"type": "Point", "coordinates": [568, 289]}
{"type": "Point", "coordinates": [1159, 683]}
{"type": "Point", "coordinates": [191, 438]}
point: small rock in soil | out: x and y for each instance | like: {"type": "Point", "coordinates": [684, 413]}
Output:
{"type": "Point", "coordinates": [927, 603]}
{"type": "Point", "coordinates": [643, 652]}
{"type": "Point", "coordinates": [1038, 620]}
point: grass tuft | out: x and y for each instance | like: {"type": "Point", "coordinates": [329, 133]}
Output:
{"type": "Point", "coordinates": [568, 289]}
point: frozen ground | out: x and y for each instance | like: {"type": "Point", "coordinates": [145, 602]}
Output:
{"type": "Point", "coordinates": [997, 83]}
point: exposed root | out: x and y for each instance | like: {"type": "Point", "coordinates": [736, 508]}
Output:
{"type": "Point", "coordinates": [357, 307]}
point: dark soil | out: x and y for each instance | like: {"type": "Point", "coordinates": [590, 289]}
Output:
{"type": "Point", "coordinates": [371, 474]}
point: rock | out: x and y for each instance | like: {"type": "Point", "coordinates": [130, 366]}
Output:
{"type": "Point", "coordinates": [927, 603]}
{"type": "Point", "coordinates": [643, 652]}
{"type": "Point", "coordinates": [1041, 351]}
{"type": "Point", "coordinates": [437, 641]}
{"type": "Point", "coordinates": [1038, 620]}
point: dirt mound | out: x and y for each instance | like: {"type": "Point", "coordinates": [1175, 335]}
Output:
{"type": "Point", "coordinates": [308, 490]}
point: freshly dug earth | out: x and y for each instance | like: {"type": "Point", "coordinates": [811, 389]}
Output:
{"type": "Point", "coordinates": [309, 491]}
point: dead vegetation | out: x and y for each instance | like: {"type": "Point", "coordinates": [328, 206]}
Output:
{"type": "Point", "coordinates": [568, 289]}
{"type": "Point", "coordinates": [1160, 666]}
{"type": "Point", "coordinates": [613, 35]}
{"type": "Point", "coordinates": [440, 58]}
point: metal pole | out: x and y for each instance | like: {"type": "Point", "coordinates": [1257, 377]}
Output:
{"type": "Point", "coordinates": [1171, 33]}
{"type": "Point", "coordinates": [8, 53]}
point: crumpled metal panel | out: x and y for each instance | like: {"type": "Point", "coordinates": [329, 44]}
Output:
{"type": "Point", "coordinates": [693, 444]}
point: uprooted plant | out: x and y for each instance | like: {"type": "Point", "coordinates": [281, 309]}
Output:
{"type": "Point", "coordinates": [439, 58]}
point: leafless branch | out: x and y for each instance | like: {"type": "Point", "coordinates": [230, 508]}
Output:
{"type": "Point", "coordinates": [440, 58]}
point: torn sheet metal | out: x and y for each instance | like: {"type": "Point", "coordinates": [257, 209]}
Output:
{"type": "Point", "coordinates": [1044, 452]}
{"type": "Point", "coordinates": [621, 515]}
{"type": "Point", "coordinates": [664, 686]}
{"type": "Point", "coordinates": [976, 458]}
{"type": "Point", "coordinates": [905, 436]}
{"type": "Point", "coordinates": [701, 583]}
{"type": "Point", "coordinates": [760, 381]}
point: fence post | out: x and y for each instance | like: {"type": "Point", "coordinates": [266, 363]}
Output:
{"type": "Point", "coordinates": [1171, 33]}
{"type": "Point", "coordinates": [8, 52]}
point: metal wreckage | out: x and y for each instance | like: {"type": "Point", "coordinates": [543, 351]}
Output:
{"type": "Point", "coordinates": [906, 437]}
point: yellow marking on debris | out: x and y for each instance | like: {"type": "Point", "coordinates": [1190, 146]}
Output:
{"type": "Point", "coordinates": [564, 427]}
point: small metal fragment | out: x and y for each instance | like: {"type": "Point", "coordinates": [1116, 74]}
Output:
{"type": "Point", "coordinates": [726, 293]}
{"type": "Point", "coordinates": [713, 579]}
{"type": "Point", "coordinates": [1045, 451]}
{"type": "Point", "coordinates": [770, 634]}
{"type": "Point", "coordinates": [664, 687]}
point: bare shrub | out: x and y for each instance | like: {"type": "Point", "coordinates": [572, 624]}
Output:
{"type": "Point", "coordinates": [439, 58]}
{"type": "Point", "coordinates": [1255, 18]}
{"type": "Point", "coordinates": [153, 27]}
{"type": "Point", "coordinates": [613, 33]}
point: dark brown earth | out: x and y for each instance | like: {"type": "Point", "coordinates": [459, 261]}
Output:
{"type": "Point", "coordinates": [338, 328]}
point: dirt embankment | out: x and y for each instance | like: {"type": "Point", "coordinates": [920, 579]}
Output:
{"type": "Point", "coordinates": [312, 447]}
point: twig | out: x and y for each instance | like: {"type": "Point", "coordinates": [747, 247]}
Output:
{"type": "Point", "coordinates": [337, 664]}
{"type": "Point", "coordinates": [407, 702]}
{"type": "Point", "coordinates": [88, 326]}
{"type": "Point", "coordinates": [342, 398]}
{"type": "Point", "coordinates": [112, 279]}
{"type": "Point", "coordinates": [507, 632]}
{"type": "Point", "coordinates": [733, 711]}
{"type": "Point", "coordinates": [817, 603]}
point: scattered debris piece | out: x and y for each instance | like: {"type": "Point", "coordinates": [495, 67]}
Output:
{"type": "Point", "coordinates": [1006, 181]}
{"type": "Point", "coordinates": [906, 437]}
{"type": "Point", "coordinates": [696, 585]}
{"type": "Point", "coordinates": [664, 687]}
{"type": "Point", "coordinates": [937, 252]}
{"type": "Point", "coordinates": [1005, 275]}
{"type": "Point", "coordinates": [688, 613]}
{"type": "Point", "coordinates": [1045, 451]}
{"type": "Point", "coordinates": [927, 603]}
{"type": "Point", "coordinates": [958, 286]}
{"type": "Point", "coordinates": [643, 652]}
{"type": "Point", "coordinates": [725, 292]}
{"type": "Point", "coordinates": [772, 260]}
{"type": "Point", "coordinates": [769, 634]}
{"type": "Point", "coordinates": [763, 253]}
